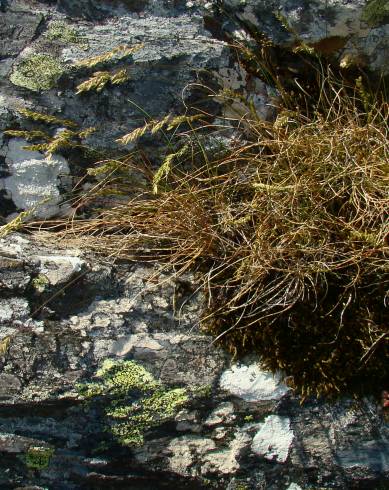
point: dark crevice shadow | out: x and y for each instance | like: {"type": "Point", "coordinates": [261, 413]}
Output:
{"type": "Point", "coordinates": [4, 4]}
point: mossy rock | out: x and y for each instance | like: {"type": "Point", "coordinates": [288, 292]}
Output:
{"type": "Point", "coordinates": [38, 458]}
{"type": "Point", "coordinates": [65, 34]}
{"type": "Point", "coordinates": [37, 72]}
{"type": "Point", "coordinates": [376, 13]}
{"type": "Point", "coordinates": [134, 400]}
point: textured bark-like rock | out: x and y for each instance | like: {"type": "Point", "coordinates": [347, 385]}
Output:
{"type": "Point", "coordinates": [197, 421]}
{"type": "Point", "coordinates": [68, 320]}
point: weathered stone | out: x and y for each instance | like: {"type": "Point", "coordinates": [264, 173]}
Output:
{"type": "Point", "coordinates": [120, 312]}
{"type": "Point", "coordinates": [10, 443]}
{"type": "Point", "coordinates": [224, 413]}
{"type": "Point", "coordinates": [64, 313]}
{"type": "Point", "coordinates": [355, 29]}
{"type": "Point", "coordinates": [34, 180]}
{"type": "Point", "coordinates": [274, 439]}
{"type": "Point", "coordinates": [9, 386]}
{"type": "Point", "coordinates": [17, 28]}
{"type": "Point", "coordinates": [58, 268]}
{"type": "Point", "coordinates": [13, 309]}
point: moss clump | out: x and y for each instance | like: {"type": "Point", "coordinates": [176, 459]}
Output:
{"type": "Point", "coordinates": [38, 458]}
{"type": "Point", "coordinates": [37, 72]}
{"type": "Point", "coordinates": [59, 30]}
{"type": "Point", "coordinates": [376, 13]}
{"type": "Point", "coordinates": [202, 391]}
{"type": "Point", "coordinates": [40, 283]}
{"type": "Point", "coordinates": [136, 401]}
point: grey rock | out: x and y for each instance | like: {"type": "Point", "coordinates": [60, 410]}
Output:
{"type": "Point", "coordinates": [9, 386]}
{"type": "Point", "coordinates": [18, 27]}
{"type": "Point", "coordinates": [53, 342]}
{"type": "Point", "coordinates": [64, 313]}
{"type": "Point", "coordinates": [341, 28]}
{"type": "Point", "coordinates": [16, 444]}
{"type": "Point", "coordinates": [33, 183]}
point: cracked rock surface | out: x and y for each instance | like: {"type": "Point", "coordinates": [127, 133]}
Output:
{"type": "Point", "coordinates": [64, 313]}
{"type": "Point", "coordinates": [204, 420]}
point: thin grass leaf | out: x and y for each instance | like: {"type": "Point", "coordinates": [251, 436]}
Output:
{"type": "Point", "coordinates": [46, 118]}
{"type": "Point", "coordinates": [118, 53]}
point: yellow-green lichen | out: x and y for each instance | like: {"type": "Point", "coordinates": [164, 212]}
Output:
{"type": "Point", "coordinates": [376, 12]}
{"type": "Point", "coordinates": [241, 486]}
{"type": "Point", "coordinates": [136, 401]}
{"type": "Point", "coordinates": [37, 72]}
{"type": "Point", "coordinates": [38, 458]}
{"type": "Point", "coordinates": [40, 283]}
{"type": "Point", "coordinates": [202, 391]}
{"type": "Point", "coordinates": [63, 32]}
{"type": "Point", "coordinates": [248, 418]}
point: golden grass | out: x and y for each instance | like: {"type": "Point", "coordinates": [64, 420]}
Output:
{"type": "Point", "coordinates": [288, 228]}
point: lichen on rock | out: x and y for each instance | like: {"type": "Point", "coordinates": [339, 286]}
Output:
{"type": "Point", "coordinates": [38, 458]}
{"type": "Point", "coordinates": [37, 72]}
{"type": "Point", "coordinates": [274, 439]}
{"type": "Point", "coordinates": [137, 402]}
{"type": "Point", "coordinates": [65, 33]}
{"type": "Point", "coordinates": [376, 13]}
{"type": "Point", "coordinates": [33, 180]}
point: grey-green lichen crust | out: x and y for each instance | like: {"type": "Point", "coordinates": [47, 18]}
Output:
{"type": "Point", "coordinates": [376, 13]}
{"type": "Point", "coordinates": [137, 402]}
{"type": "Point", "coordinates": [64, 33]}
{"type": "Point", "coordinates": [38, 458]}
{"type": "Point", "coordinates": [40, 283]}
{"type": "Point", "coordinates": [37, 72]}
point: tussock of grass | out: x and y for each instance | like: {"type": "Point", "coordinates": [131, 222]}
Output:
{"type": "Point", "coordinates": [289, 229]}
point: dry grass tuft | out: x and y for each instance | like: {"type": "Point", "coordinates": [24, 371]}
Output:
{"type": "Point", "coordinates": [289, 229]}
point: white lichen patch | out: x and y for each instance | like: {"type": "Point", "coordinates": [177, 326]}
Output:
{"type": "Point", "coordinates": [294, 486]}
{"type": "Point", "coordinates": [34, 179]}
{"type": "Point", "coordinates": [252, 384]}
{"type": "Point", "coordinates": [12, 309]}
{"type": "Point", "coordinates": [274, 439]}
{"type": "Point", "coordinates": [59, 269]}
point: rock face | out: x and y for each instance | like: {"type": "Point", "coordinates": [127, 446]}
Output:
{"type": "Point", "coordinates": [106, 380]}
{"type": "Point", "coordinates": [354, 31]}
{"type": "Point", "coordinates": [183, 48]}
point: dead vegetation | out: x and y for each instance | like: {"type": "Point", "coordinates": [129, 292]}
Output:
{"type": "Point", "coordinates": [288, 228]}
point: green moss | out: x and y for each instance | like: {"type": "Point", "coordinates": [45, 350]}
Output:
{"type": "Point", "coordinates": [241, 486]}
{"type": "Point", "coordinates": [203, 391]}
{"type": "Point", "coordinates": [59, 30]}
{"type": "Point", "coordinates": [120, 377]}
{"type": "Point", "coordinates": [40, 283]}
{"type": "Point", "coordinates": [135, 401]}
{"type": "Point", "coordinates": [38, 458]}
{"type": "Point", "coordinates": [376, 13]}
{"type": "Point", "coordinates": [37, 72]}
